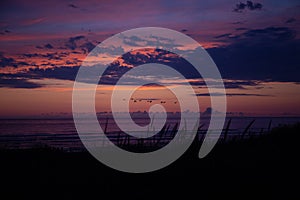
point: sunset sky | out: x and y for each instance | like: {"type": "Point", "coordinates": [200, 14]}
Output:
{"type": "Point", "coordinates": [254, 44]}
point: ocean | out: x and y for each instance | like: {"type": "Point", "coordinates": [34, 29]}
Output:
{"type": "Point", "coordinates": [62, 134]}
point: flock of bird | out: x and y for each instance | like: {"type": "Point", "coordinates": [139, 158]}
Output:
{"type": "Point", "coordinates": [149, 100]}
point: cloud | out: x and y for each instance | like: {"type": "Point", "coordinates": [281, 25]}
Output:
{"type": "Point", "coordinates": [131, 59]}
{"type": "Point", "coordinates": [240, 84]}
{"type": "Point", "coordinates": [87, 47]}
{"type": "Point", "coordinates": [18, 83]}
{"type": "Point", "coordinates": [238, 22]}
{"type": "Point", "coordinates": [11, 62]}
{"type": "Point", "coordinates": [254, 6]}
{"type": "Point", "coordinates": [5, 32]}
{"type": "Point", "coordinates": [111, 50]}
{"type": "Point", "coordinates": [4, 61]}
{"type": "Point", "coordinates": [23, 79]}
{"type": "Point", "coordinates": [71, 43]}
{"type": "Point", "coordinates": [245, 94]}
{"type": "Point", "coordinates": [114, 71]}
{"type": "Point", "coordinates": [270, 53]}
{"type": "Point", "coordinates": [231, 94]}
{"type": "Point", "coordinates": [229, 84]}
{"type": "Point", "coordinates": [49, 56]}
{"type": "Point", "coordinates": [79, 43]}
{"type": "Point", "coordinates": [271, 33]}
{"type": "Point", "coordinates": [48, 46]}
{"type": "Point", "coordinates": [74, 43]}
{"type": "Point", "coordinates": [63, 72]}
{"type": "Point", "coordinates": [290, 20]}
{"type": "Point", "coordinates": [223, 35]}
{"type": "Point", "coordinates": [136, 41]}
{"type": "Point", "coordinates": [241, 29]}
{"type": "Point", "coordinates": [240, 7]}
{"type": "Point", "coordinates": [73, 61]}
{"type": "Point", "coordinates": [72, 6]}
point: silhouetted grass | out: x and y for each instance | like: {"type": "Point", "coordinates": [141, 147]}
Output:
{"type": "Point", "coordinates": [247, 129]}
{"type": "Point", "coordinates": [168, 132]}
{"type": "Point", "coordinates": [226, 130]}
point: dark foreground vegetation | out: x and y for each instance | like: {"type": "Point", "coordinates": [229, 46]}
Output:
{"type": "Point", "coordinates": [264, 167]}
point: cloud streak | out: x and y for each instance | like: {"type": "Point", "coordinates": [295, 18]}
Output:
{"type": "Point", "coordinates": [231, 94]}
{"type": "Point", "coordinates": [18, 83]}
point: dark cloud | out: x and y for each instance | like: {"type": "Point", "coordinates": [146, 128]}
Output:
{"type": "Point", "coordinates": [151, 41]}
{"type": "Point", "coordinates": [238, 22]}
{"type": "Point", "coordinates": [112, 50]}
{"type": "Point", "coordinates": [68, 62]}
{"type": "Point", "coordinates": [4, 61]}
{"type": "Point", "coordinates": [76, 52]}
{"type": "Point", "coordinates": [87, 47]}
{"type": "Point", "coordinates": [24, 63]}
{"type": "Point", "coordinates": [132, 59]}
{"type": "Point", "coordinates": [48, 46]}
{"type": "Point", "coordinates": [240, 84]}
{"type": "Point", "coordinates": [290, 20]}
{"type": "Point", "coordinates": [72, 6]}
{"type": "Point", "coordinates": [32, 55]}
{"type": "Point", "coordinates": [230, 84]}
{"type": "Point", "coordinates": [223, 35]}
{"type": "Point", "coordinates": [17, 83]}
{"type": "Point", "coordinates": [271, 53]}
{"type": "Point", "coordinates": [63, 73]}
{"type": "Point", "coordinates": [71, 43]}
{"type": "Point", "coordinates": [5, 32]}
{"type": "Point", "coordinates": [133, 41]}
{"type": "Point", "coordinates": [11, 62]}
{"type": "Point", "coordinates": [241, 29]}
{"type": "Point", "coordinates": [49, 56]}
{"type": "Point", "coordinates": [279, 34]}
{"type": "Point", "coordinates": [245, 94]}
{"type": "Point", "coordinates": [240, 7]}
{"type": "Point", "coordinates": [74, 61]}
{"type": "Point", "coordinates": [254, 6]}
{"type": "Point", "coordinates": [184, 30]}
{"type": "Point", "coordinates": [24, 79]}
{"type": "Point", "coordinates": [231, 94]}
